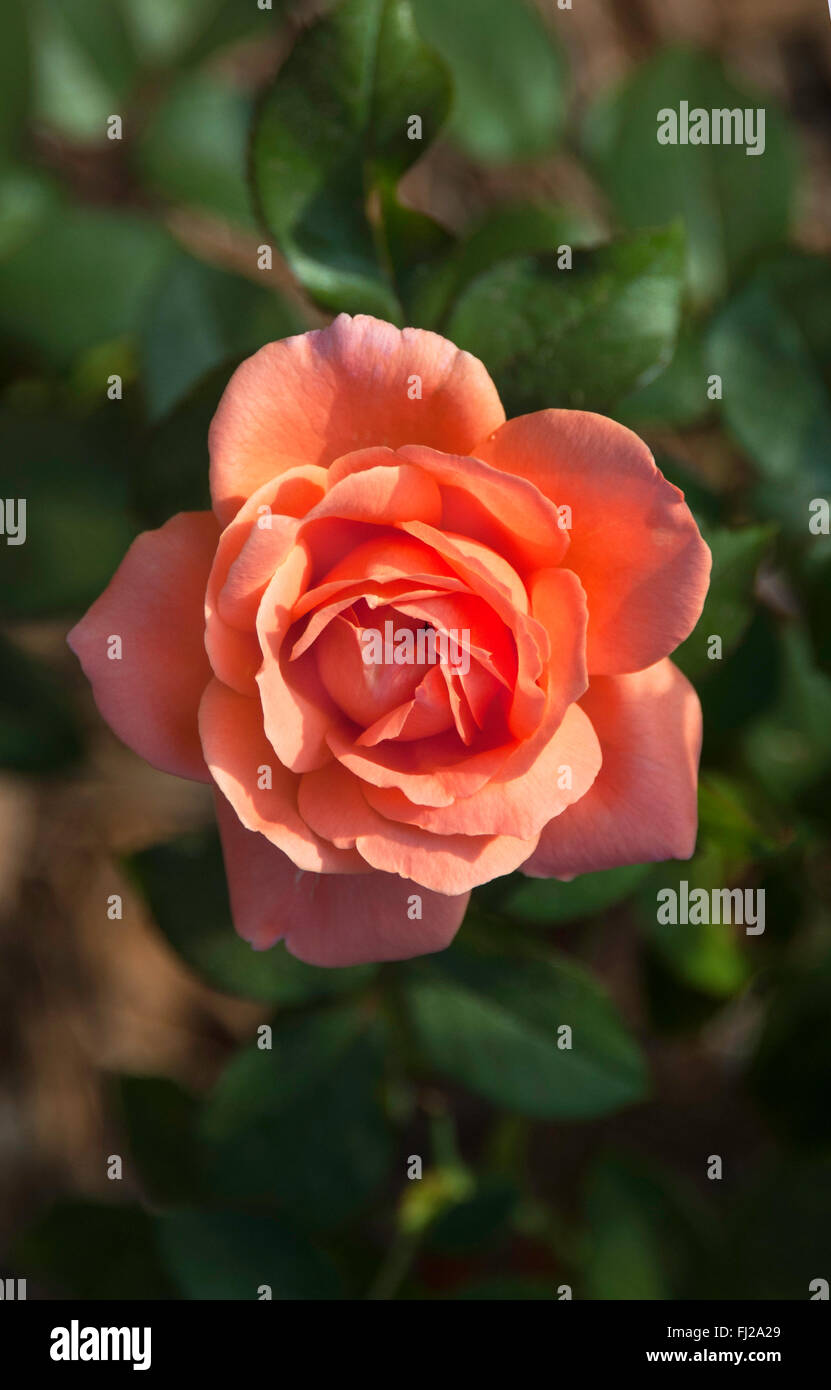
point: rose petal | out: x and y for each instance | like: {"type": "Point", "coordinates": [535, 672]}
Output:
{"type": "Point", "coordinates": [642, 807]}
{"type": "Point", "coordinates": [634, 543]}
{"type": "Point", "coordinates": [239, 755]}
{"type": "Point", "coordinates": [511, 805]}
{"type": "Point", "coordinates": [314, 397]}
{"type": "Point", "coordinates": [331, 800]}
{"type": "Point", "coordinates": [155, 604]}
{"type": "Point", "coordinates": [329, 919]}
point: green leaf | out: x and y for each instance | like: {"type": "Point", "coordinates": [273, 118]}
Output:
{"type": "Point", "coordinates": [335, 126]}
{"type": "Point", "coordinates": [727, 817]}
{"type": "Point", "coordinates": [185, 885]}
{"type": "Point", "coordinates": [85, 65]}
{"type": "Point", "coordinates": [197, 318]}
{"type": "Point", "coordinates": [644, 1237]}
{"type": "Point", "coordinates": [89, 1250]}
{"type": "Point", "coordinates": [492, 1024]}
{"type": "Point", "coordinates": [546, 902]}
{"type": "Point", "coordinates": [510, 232]}
{"type": "Point", "coordinates": [182, 434]}
{"type": "Point", "coordinates": [708, 956]}
{"type": "Point", "coordinates": [15, 73]}
{"type": "Point", "coordinates": [82, 279]}
{"type": "Point", "coordinates": [734, 204]}
{"type": "Point", "coordinates": [479, 1220]}
{"type": "Point", "coordinates": [100, 30]}
{"type": "Point", "coordinates": [789, 1073]}
{"type": "Point", "coordinates": [160, 1119]}
{"type": "Point", "coordinates": [728, 608]}
{"type": "Point", "coordinates": [301, 1125]}
{"type": "Point", "coordinates": [27, 198]}
{"type": "Point", "coordinates": [37, 732]}
{"type": "Point", "coordinates": [231, 1255]}
{"type": "Point", "coordinates": [414, 246]}
{"type": "Point", "coordinates": [75, 536]}
{"type": "Point", "coordinates": [705, 504]}
{"type": "Point", "coordinates": [179, 32]}
{"type": "Point", "coordinates": [508, 76]}
{"type": "Point", "coordinates": [578, 338]}
{"type": "Point", "coordinates": [772, 353]}
{"type": "Point", "coordinates": [193, 149]}
{"type": "Point", "coordinates": [789, 747]}
{"type": "Point", "coordinates": [678, 395]}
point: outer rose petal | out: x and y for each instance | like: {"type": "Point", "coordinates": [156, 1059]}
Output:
{"type": "Point", "coordinates": [634, 544]}
{"type": "Point", "coordinates": [235, 750]}
{"type": "Point", "coordinates": [643, 805]}
{"type": "Point", "coordinates": [155, 604]}
{"type": "Point", "coordinates": [328, 919]}
{"type": "Point", "coordinates": [311, 398]}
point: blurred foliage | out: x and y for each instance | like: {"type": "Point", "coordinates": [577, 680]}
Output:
{"type": "Point", "coordinates": [544, 1165]}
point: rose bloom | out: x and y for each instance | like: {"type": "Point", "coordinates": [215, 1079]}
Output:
{"type": "Point", "coordinates": [361, 474]}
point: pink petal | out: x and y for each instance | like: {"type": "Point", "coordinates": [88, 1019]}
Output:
{"type": "Point", "coordinates": [332, 801]}
{"type": "Point", "coordinates": [314, 397]}
{"type": "Point", "coordinates": [518, 805]}
{"type": "Point", "coordinates": [329, 919]}
{"type": "Point", "coordinates": [237, 752]}
{"type": "Point", "coordinates": [634, 544]}
{"type": "Point", "coordinates": [155, 604]}
{"type": "Point", "coordinates": [642, 807]}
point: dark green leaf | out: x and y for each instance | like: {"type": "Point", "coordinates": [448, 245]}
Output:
{"type": "Point", "coordinates": [197, 318]}
{"type": "Point", "coordinates": [492, 1024]}
{"type": "Point", "coordinates": [510, 232]}
{"type": "Point", "coordinates": [678, 395]}
{"type": "Point", "coordinates": [707, 956]}
{"type": "Point", "coordinates": [771, 352]}
{"type": "Point", "coordinates": [579, 338]}
{"type": "Point", "coordinates": [89, 1250]}
{"type": "Point", "coordinates": [27, 198]}
{"type": "Point", "coordinates": [75, 536]}
{"type": "Point", "coordinates": [508, 75]}
{"type": "Point", "coordinates": [15, 73]}
{"type": "Point", "coordinates": [334, 127]}
{"type": "Point", "coordinates": [160, 1119]}
{"type": "Point", "coordinates": [82, 279]}
{"type": "Point", "coordinates": [194, 147]}
{"type": "Point", "coordinates": [85, 66]}
{"type": "Point", "coordinates": [789, 747]}
{"type": "Point", "coordinates": [789, 1073]}
{"type": "Point", "coordinates": [184, 882]}
{"type": "Point", "coordinates": [546, 902]}
{"type": "Point", "coordinates": [480, 1220]}
{"type": "Point", "coordinates": [734, 204]}
{"type": "Point", "coordinates": [301, 1124]}
{"type": "Point", "coordinates": [231, 1255]}
{"type": "Point", "coordinates": [729, 604]}
{"type": "Point", "coordinates": [159, 490]}
{"type": "Point", "coordinates": [99, 29]}
{"type": "Point", "coordinates": [644, 1236]}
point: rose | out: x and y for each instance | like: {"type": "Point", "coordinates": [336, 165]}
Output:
{"type": "Point", "coordinates": [359, 475]}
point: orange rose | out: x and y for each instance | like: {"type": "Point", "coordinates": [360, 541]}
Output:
{"type": "Point", "coordinates": [365, 480]}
